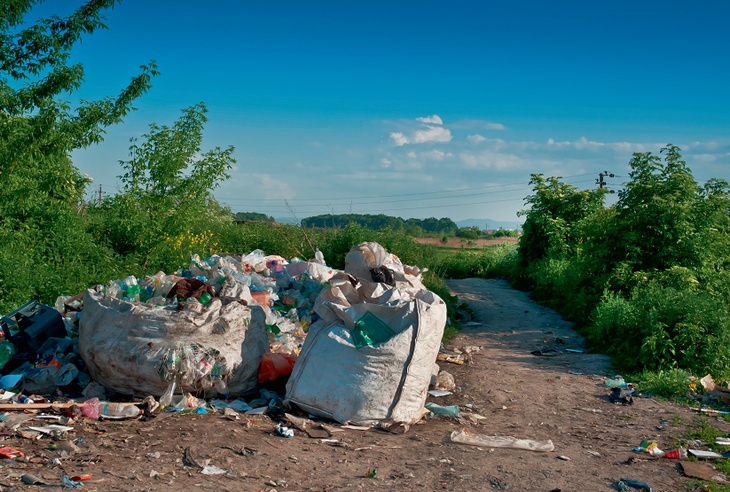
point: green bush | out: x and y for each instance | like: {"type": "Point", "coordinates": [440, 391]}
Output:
{"type": "Point", "coordinates": [662, 328]}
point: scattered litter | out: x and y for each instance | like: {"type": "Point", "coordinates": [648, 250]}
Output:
{"type": "Point", "coordinates": [32, 480]}
{"type": "Point", "coordinates": [257, 411]}
{"type": "Point", "coordinates": [592, 410]}
{"type": "Point", "coordinates": [213, 470]}
{"type": "Point", "coordinates": [284, 431]}
{"type": "Point", "coordinates": [372, 472]}
{"type": "Point", "coordinates": [624, 484]}
{"type": "Point", "coordinates": [437, 393]}
{"type": "Point", "coordinates": [703, 471]}
{"type": "Point", "coordinates": [445, 381]}
{"type": "Point", "coordinates": [51, 429]}
{"type": "Point", "coordinates": [472, 323]}
{"type": "Point", "coordinates": [617, 382]}
{"type": "Point", "coordinates": [564, 458]}
{"type": "Point", "coordinates": [704, 454]}
{"type": "Point", "coordinates": [81, 478]}
{"type": "Point", "coordinates": [593, 453]}
{"type": "Point", "coordinates": [574, 351]}
{"type": "Point", "coordinates": [231, 414]}
{"type": "Point", "coordinates": [621, 396]}
{"type": "Point", "coordinates": [6, 452]}
{"type": "Point", "coordinates": [454, 359]}
{"type": "Point", "coordinates": [443, 411]}
{"type": "Point", "coordinates": [71, 483]}
{"type": "Point", "coordinates": [711, 410]}
{"type": "Point", "coordinates": [724, 441]}
{"type": "Point", "coordinates": [464, 437]}
{"type": "Point", "coordinates": [545, 352]}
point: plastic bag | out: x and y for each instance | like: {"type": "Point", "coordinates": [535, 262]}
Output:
{"type": "Point", "coordinates": [274, 366]}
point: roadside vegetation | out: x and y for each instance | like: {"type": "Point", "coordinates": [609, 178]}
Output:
{"type": "Point", "coordinates": [646, 280]}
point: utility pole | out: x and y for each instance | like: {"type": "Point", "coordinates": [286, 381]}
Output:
{"type": "Point", "coordinates": [101, 194]}
{"type": "Point", "coordinates": [601, 182]}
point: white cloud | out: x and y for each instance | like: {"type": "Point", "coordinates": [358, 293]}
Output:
{"type": "Point", "coordinates": [432, 134]}
{"type": "Point", "coordinates": [423, 130]}
{"type": "Point", "coordinates": [494, 126]}
{"type": "Point", "coordinates": [475, 139]}
{"type": "Point", "coordinates": [411, 154]}
{"type": "Point", "coordinates": [436, 119]}
{"type": "Point", "coordinates": [385, 162]}
{"type": "Point", "coordinates": [399, 138]}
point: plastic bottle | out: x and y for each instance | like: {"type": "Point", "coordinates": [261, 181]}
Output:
{"type": "Point", "coordinates": [118, 410]}
{"type": "Point", "coordinates": [94, 409]}
{"type": "Point", "coordinates": [617, 382]}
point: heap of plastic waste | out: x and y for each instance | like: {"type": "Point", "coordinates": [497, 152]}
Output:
{"type": "Point", "coordinates": [285, 289]}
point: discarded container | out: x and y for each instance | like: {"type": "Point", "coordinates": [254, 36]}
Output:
{"type": "Point", "coordinates": [95, 409]}
{"type": "Point", "coordinates": [617, 382]}
{"type": "Point", "coordinates": [676, 454]}
{"type": "Point", "coordinates": [284, 431]}
{"type": "Point", "coordinates": [464, 437]}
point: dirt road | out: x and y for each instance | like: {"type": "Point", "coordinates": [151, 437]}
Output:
{"type": "Point", "coordinates": [559, 397]}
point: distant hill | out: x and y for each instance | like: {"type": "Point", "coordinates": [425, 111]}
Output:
{"type": "Point", "coordinates": [490, 224]}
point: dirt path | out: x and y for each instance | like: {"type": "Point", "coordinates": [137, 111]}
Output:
{"type": "Point", "coordinates": [560, 397]}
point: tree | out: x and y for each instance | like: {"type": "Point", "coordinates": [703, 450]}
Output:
{"type": "Point", "coordinates": [167, 185]}
{"type": "Point", "coordinates": [553, 222]}
{"type": "Point", "coordinates": [42, 233]}
{"type": "Point", "coordinates": [38, 127]}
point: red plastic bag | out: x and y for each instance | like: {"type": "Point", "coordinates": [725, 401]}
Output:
{"type": "Point", "coordinates": [274, 366]}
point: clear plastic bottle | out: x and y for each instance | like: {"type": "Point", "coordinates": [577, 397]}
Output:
{"type": "Point", "coordinates": [94, 409]}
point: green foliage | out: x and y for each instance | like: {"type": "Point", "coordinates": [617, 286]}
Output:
{"type": "Point", "coordinates": [245, 216]}
{"type": "Point", "coordinates": [646, 279]}
{"type": "Point", "coordinates": [45, 248]}
{"type": "Point", "coordinates": [167, 193]}
{"type": "Point", "coordinates": [490, 262]}
{"type": "Point", "coordinates": [664, 328]}
{"type": "Point", "coordinates": [666, 384]}
{"type": "Point", "coordinates": [469, 232]}
{"type": "Point", "coordinates": [412, 227]}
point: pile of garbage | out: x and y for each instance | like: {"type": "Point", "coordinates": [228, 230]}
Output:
{"type": "Point", "coordinates": [361, 344]}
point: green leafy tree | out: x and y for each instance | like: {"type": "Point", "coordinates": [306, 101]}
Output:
{"type": "Point", "coordinates": [38, 127]}
{"type": "Point", "coordinates": [557, 212]}
{"type": "Point", "coordinates": [44, 247]}
{"type": "Point", "coordinates": [167, 192]}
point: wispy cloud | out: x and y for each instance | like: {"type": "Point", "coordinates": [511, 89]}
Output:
{"type": "Point", "coordinates": [424, 130]}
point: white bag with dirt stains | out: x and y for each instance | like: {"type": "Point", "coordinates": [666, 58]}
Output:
{"type": "Point", "coordinates": [369, 357]}
{"type": "Point", "coordinates": [140, 349]}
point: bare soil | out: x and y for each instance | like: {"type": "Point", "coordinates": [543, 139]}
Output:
{"type": "Point", "coordinates": [561, 397]}
{"type": "Point", "coordinates": [460, 242]}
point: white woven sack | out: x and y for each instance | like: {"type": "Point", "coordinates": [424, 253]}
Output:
{"type": "Point", "coordinates": [137, 348]}
{"type": "Point", "coordinates": [373, 384]}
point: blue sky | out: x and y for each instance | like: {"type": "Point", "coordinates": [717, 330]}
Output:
{"type": "Point", "coordinates": [418, 109]}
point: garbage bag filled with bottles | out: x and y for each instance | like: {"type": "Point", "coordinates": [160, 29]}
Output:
{"type": "Point", "coordinates": [204, 329]}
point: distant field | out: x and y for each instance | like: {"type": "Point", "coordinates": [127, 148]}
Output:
{"type": "Point", "coordinates": [458, 242]}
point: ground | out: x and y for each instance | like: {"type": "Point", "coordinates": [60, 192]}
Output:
{"type": "Point", "coordinates": [561, 398]}
{"type": "Point", "coordinates": [460, 242]}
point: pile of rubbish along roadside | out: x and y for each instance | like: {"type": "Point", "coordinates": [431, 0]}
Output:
{"type": "Point", "coordinates": [231, 327]}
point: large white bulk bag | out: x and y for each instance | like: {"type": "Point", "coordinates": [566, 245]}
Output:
{"type": "Point", "coordinates": [369, 357]}
{"type": "Point", "coordinates": [138, 349]}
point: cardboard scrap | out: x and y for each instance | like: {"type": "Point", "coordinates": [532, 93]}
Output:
{"type": "Point", "coordinates": [703, 471]}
